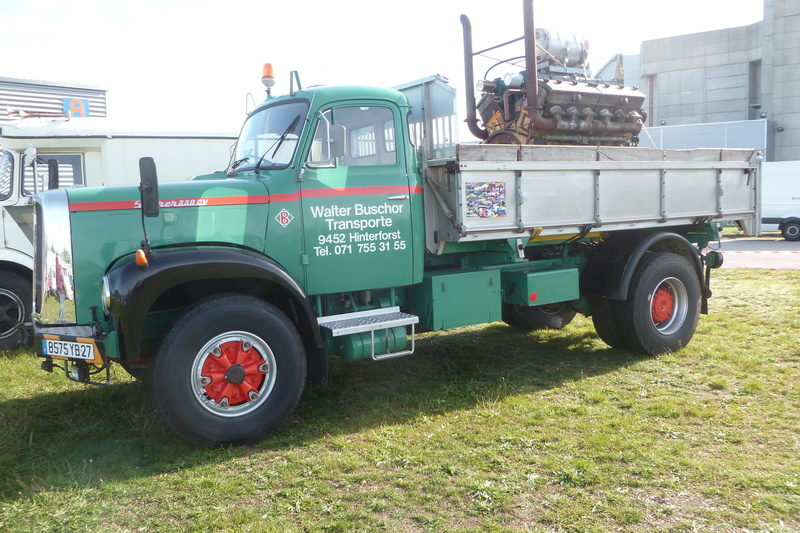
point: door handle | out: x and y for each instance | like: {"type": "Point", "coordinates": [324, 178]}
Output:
{"type": "Point", "coordinates": [398, 197]}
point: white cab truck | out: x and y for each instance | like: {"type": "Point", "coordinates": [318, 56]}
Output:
{"type": "Point", "coordinates": [92, 152]}
{"type": "Point", "coordinates": [780, 201]}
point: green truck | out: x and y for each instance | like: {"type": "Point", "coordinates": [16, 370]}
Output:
{"type": "Point", "coordinates": [349, 220]}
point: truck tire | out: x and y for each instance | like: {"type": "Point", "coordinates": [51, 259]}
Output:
{"type": "Point", "coordinates": [791, 231]}
{"type": "Point", "coordinates": [526, 318]}
{"type": "Point", "coordinates": [15, 298]}
{"type": "Point", "coordinates": [663, 306]}
{"type": "Point", "coordinates": [605, 317]}
{"type": "Point", "coordinates": [229, 370]}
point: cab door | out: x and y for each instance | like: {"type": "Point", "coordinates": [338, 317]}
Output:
{"type": "Point", "coordinates": [356, 202]}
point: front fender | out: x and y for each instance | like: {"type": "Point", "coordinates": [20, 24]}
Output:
{"type": "Point", "coordinates": [171, 275]}
{"type": "Point", "coordinates": [22, 261]}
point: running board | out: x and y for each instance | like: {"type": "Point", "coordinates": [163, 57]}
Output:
{"type": "Point", "coordinates": [371, 321]}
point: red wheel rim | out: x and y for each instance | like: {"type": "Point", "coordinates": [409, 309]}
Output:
{"type": "Point", "coordinates": [669, 306]}
{"type": "Point", "coordinates": [663, 304]}
{"type": "Point", "coordinates": [233, 374]}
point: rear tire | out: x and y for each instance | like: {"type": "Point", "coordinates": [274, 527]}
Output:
{"type": "Point", "coordinates": [791, 231]}
{"type": "Point", "coordinates": [663, 306]}
{"type": "Point", "coordinates": [229, 370]}
{"type": "Point", "coordinates": [605, 317]}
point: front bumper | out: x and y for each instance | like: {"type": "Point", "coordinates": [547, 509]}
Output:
{"type": "Point", "coordinates": [82, 357]}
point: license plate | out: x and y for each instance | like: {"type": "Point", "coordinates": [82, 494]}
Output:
{"type": "Point", "coordinates": [68, 349]}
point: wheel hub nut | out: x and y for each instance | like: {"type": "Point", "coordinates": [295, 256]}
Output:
{"type": "Point", "coordinates": [235, 374]}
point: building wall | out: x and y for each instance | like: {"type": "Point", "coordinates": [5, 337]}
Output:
{"type": "Point", "coordinates": [745, 73]}
{"type": "Point", "coordinates": [782, 69]}
{"type": "Point", "coordinates": [21, 98]}
{"type": "Point", "coordinates": [631, 75]}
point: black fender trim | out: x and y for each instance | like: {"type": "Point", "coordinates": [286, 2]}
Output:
{"type": "Point", "coordinates": [779, 221]}
{"type": "Point", "coordinates": [610, 266]}
{"type": "Point", "coordinates": [134, 292]}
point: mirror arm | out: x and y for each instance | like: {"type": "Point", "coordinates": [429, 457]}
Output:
{"type": "Point", "coordinates": [148, 189]}
{"type": "Point", "coordinates": [52, 174]}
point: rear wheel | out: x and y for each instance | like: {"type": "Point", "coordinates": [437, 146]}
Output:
{"type": "Point", "coordinates": [791, 231]}
{"type": "Point", "coordinates": [230, 370]}
{"type": "Point", "coordinates": [663, 305]}
{"type": "Point", "coordinates": [605, 316]}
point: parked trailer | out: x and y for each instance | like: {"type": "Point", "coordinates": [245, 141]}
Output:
{"type": "Point", "coordinates": [88, 152]}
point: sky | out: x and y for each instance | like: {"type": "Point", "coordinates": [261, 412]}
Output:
{"type": "Point", "coordinates": [189, 64]}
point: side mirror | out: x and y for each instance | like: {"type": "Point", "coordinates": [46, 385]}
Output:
{"type": "Point", "coordinates": [148, 186]}
{"type": "Point", "coordinates": [338, 135]}
{"type": "Point", "coordinates": [52, 174]}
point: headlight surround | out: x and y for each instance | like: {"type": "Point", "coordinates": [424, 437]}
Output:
{"type": "Point", "coordinates": [54, 276]}
{"type": "Point", "coordinates": [106, 297]}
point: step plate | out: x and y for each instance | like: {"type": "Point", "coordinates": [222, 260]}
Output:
{"type": "Point", "coordinates": [350, 323]}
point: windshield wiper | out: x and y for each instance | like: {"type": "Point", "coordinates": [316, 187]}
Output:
{"type": "Point", "coordinates": [238, 162]}
{"type": "Point", "coordinates": [277, 144]}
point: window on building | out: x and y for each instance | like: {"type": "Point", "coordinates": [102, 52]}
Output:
{"type": "Point", "coordinates": [754, 90]}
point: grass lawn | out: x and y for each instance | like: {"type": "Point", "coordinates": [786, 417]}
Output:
{"type": "Point", "coordinates": [483, 429]}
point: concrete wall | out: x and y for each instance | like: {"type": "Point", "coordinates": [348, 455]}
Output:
{"type": "Point", "coordinates": [745, 73]}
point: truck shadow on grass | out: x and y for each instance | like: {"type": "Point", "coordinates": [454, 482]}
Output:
{"type": "Point", "coordinates": [448, 372]}
{"type": "Point", "coordinates": [85, 436]}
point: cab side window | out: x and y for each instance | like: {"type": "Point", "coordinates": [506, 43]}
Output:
{"type": "Point", "coordinates": [367, 132]}
{"type": "Point", "coordinates": [70, 172]}
{"type": "Point", "coordinates": [370, 135]}
{"type": "Point", "coordinates": [6, 175]}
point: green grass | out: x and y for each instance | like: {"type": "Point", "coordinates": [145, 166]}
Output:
{"type": "Point", "coordinates": [483, 429]}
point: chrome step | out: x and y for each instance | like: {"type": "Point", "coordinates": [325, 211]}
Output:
{"type": "Point", "coordinates": [371, 321]}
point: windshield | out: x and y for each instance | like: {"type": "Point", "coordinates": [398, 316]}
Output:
{"type": "Point", "coordinates": [269, 137]}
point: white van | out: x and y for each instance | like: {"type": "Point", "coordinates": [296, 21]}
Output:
{"type": "Point", "coordinates": [780, 198]}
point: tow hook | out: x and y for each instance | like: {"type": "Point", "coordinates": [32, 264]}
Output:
{"type": "Point", "coordinates": [80, 371]}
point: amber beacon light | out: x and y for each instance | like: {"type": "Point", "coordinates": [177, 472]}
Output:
{"type": "Point", "coordinates": [268, 77]}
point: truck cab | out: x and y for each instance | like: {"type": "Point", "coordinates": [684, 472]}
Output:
{"type": "Point", "coordinates": [347, 189]}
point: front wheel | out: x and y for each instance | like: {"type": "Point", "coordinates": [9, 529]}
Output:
{"type": "Point", "coordinates": [230, 370]}
{"type": "Point", "coordinates": [663, 306]}
{"type": "Point", "coordinates": [15, 299]}
{"type": "Point", "coordinates": [791, 231]}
